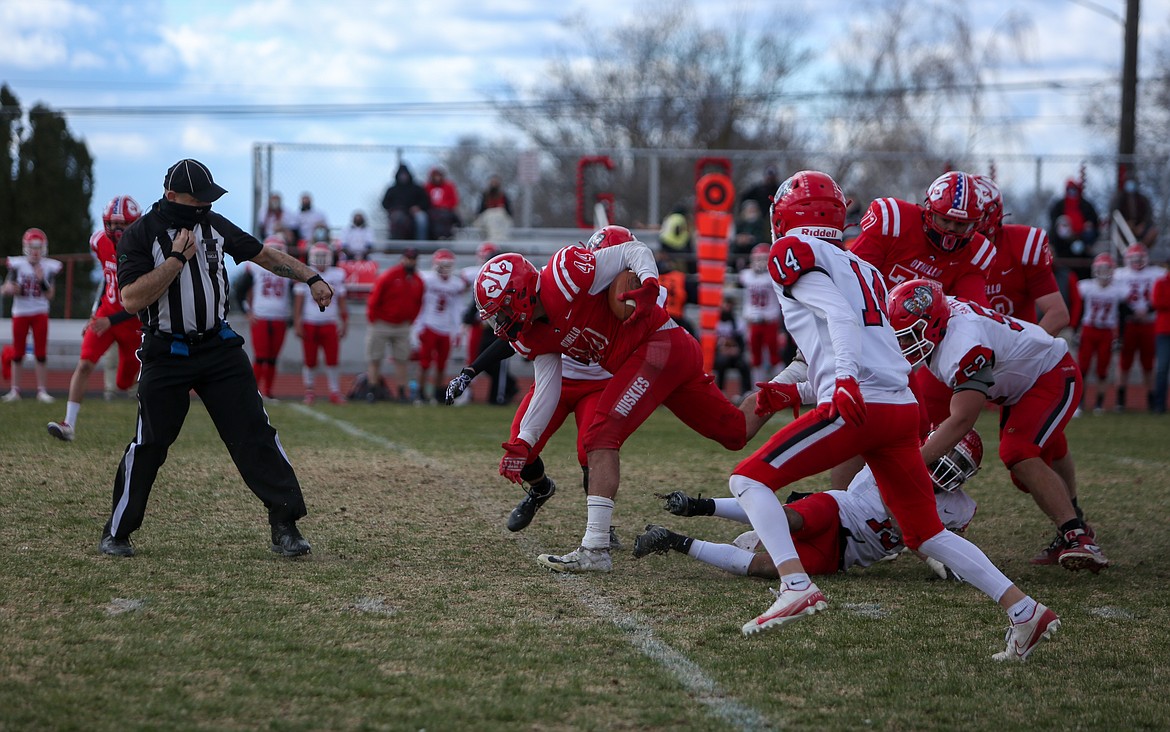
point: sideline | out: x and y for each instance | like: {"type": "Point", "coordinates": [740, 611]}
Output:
{"type": "Point", "coordinates": [639, 633]}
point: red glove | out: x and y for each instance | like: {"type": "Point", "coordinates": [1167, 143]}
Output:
{"type": "Point", "coordinates": [847, 402]}
{"type": "Point", "coordinates": [515, 457]}
{"type": "Point", "coordinates": [645, 298]}
{"type": "Point", "coordinates": [773, 397]}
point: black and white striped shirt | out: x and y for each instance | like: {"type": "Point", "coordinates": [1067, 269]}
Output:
{"type": "Point", "coordinates": [198, 298]}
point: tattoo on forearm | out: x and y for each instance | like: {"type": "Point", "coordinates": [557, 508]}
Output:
{"type": "Point", "coordinates": [284, 271]}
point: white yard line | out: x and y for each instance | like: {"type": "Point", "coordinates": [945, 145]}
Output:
{"type": "Point", "coordinates": [639, 633]}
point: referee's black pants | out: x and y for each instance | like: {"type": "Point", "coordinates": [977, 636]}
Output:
{"type": "Point", "coordinates": [220, 373]}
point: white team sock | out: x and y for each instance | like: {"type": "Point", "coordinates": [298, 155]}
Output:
{"type": "Point", "coordinates": [599, 514]}
{"type": "Point", "coordinates": [1022, 611]}
{"type": "Point", "coordinates": [71, 410]}
{"type": "Point", "coordinates": [730, 509]}
{"type": "Point", "coordinates": [968, 562]}
{"type": "Point", "coordinates": [307, 377]}
{"type": "Point", "coordinates": [333, 377]}
{"type": "Point", "coordinates": [724, 556]}
{"type": "Point", "coordinates": [767, 517]}
{"type": "Point", "coordinates": [797, 581]}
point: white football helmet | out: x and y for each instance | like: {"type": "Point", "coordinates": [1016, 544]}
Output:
{"type": "Point", "coordinates": [320, 258]}
{"type": "Point", "coordinates": [961, 462]}
{"type": "Point", "coordinates": [34, 245]}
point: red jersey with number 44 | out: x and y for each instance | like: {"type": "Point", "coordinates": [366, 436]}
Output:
{"type": "Point", "coordinates": [893, 239]}
{"type": "Point", "coordinates": [1021, 272]}
{"type": "Point", "coordinates": [110, 302]}
{"type": "Point", "coordinates": [976, 338]}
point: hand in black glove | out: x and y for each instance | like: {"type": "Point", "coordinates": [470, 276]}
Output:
{"type": "Point", "coordinates": [458, 385]}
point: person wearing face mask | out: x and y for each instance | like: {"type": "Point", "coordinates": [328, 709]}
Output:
{"type": "Point", "coordinates": [171, 273]}
{"type": "Point", "coordinates": [1135, 208]}
{"type": "Point", "coordinates": [357, 240]}
{"type": "Point", "coordinates": [309, 221]}
{"type": "Point", "coordinates": [394, 303]}
{"type": "Point", "coordinates": [1073, 228]}
{"type": "Point", "coordinates": [494, 215]}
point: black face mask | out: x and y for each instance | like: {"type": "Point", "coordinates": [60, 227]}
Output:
{"type": "Point", "coordinates": [408, 268]}
{"type": "Point", "coordinates": [182, 216]}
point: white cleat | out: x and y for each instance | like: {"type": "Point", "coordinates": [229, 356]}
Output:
{"type": "Point", "coordinates": [790, 605]}
{"type": "Point", "coordinates": [45, 397]}
{"type": "Point", "coordinates": [578, 560]}
{"type": "Point", "coordinates": [61, 430]}
{"type": "Point", "coordinates": [1023, 638]}
{"type": "Point", "coordinates": [12, 396]}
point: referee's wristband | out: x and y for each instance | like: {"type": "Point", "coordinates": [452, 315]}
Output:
{"type": "Point", "coordinates": [177, 255]}
{"type": "Point", "coordinates": [314, 278]}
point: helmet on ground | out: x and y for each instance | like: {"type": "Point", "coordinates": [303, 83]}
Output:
{"type": "Point", "coordinates": [1103, 267]}
{"type": "Point", "coordinates": [760, 258]}
{"type": "Point", "coordinates": [951, 211]}
{"type": "Point", "coordinates": [809, 202]}
{"type": "Point", "coordinates": [320, 257]}
{"type": "Point", "coordinates": [276, 241]}
{"type": "Point", "coordinates": [34, 244]}
{"type": "Point", "coordinates": [119, 213]}
{"type": "Point", "coordinates": [505, 294]}
{"type": "Point", "coordinates": [960, 463]}
{"type": "Point", "coordinates": [991, 201]}
{"type": "Point", "coordinates": [609, 236]}
{"type": "Point", "coordinates": [443, 260]}
{"type": "Point", "coordinates": [1137, 257]}
{"type": "Point", "coordinates": [486, 251]}
{"type": "Point", "coordinates": [919, 313]}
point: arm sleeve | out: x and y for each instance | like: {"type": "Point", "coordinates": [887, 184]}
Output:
{"type": "Point", "coordinates": [496, 352]}
{"type": "Point", "coordinates": [611, 261]}
{"type": "Point", "coordinates": [545, 396]}
{"type": "Point", "coordinates": [816, 291]}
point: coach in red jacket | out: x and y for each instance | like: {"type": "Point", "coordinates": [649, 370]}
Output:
{"type": "Point", "coordinates": [1160, 300]}
{"type": "Point", "coordinates": [393, 305]}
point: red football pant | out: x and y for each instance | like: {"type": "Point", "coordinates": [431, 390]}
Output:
{"type": "Point", "coordinates": [433, 349]}
{"type": "Point", "coordinates": [667, 369]}
{"type": "Point", "coordinates": [320, 337]}
{"type": "Point", "coordinates": [1138, 338]}
{"type": "Point", "coordinates": [128, 335]}
{"type": "Point", "coordinates": [267, 340]}
{"type": "Point", "coordinates": [1095, 342]}
{"type": "Point", "coordinates": [888, 441]}
{"type": "Point", "coordinates": [579, 397]}
{"type": "Point", "coordinates": [1034, 426]}
{"type": "Point", "coordinates": [764, 336]}
{"type": "Point", "coordinates": [818, 543]}
{"type": "Point", "coordinates": [38, 325]}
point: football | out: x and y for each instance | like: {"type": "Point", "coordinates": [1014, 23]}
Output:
{"type": "Point", "coordinates": [624, 282]}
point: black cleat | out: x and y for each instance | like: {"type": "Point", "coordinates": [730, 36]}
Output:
{"type": "Point", "coordinates": [287, 540]}
{"type": "Point", "coordinates": [522, 515]}
{"type": "Point", "coordinates": [656, 540]}
{"type": "Point", "coordinates": [116, 547]}
{"type": "Point", "coordinates": [680, 504]}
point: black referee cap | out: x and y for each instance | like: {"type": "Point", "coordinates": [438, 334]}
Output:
{"type": "Point", "coordinates": [192, 176]}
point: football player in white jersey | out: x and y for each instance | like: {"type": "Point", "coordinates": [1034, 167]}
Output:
{"type": "Point", "coordinates": [439, 321]}
{"type": "Point", "coordinates": [30, 284]}
{"type": "Point", "coordinates": [833, 530]}
{"type": "Point", "coordinates": [1101, 299]}
{"type": "Point", "coordinates": [832, 304]}
{"type": "Point", "coordinates": [761, 312]}
{"type": "Point", "coordinates": [321, 330]}
{"type": "Point", "coordinates": [268, 298]}
{"type": "Point", "coordinates": [1137, 330]}
{"type": "Point", "coordinates": [985, 356]}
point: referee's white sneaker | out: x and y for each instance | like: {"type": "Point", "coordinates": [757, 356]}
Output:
{"type": "Point", "coordinates": [578, 560]}
{"type": "Point", "coordinates": [790, 605]}
{"type": "Point", "coordinates": [61, 430]}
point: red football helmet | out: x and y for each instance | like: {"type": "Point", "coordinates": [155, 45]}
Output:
{"type": "Point", "coordinates": [1136, 257]}
{"type": "Point", "coordinates": [809, 202]}
{"type": "Point", "coordinates": [760, 258]}
{"type": "Point", "coordinates": [505, 294]}
{"type": "Point", "coordinates": [1103, 268]}
{"type": "Point", "coordinates": [276, 241]}
{"type": "Point", "coordinates": [443, 260]}
{"type": "Point", "coordinates": [608, 236]}
{"type": "Point", "coordinates": [960, 463]}
{"type": "Point", "coordinates": [919, 314]}
{"type": "Point", "coordinates": [992, 202]}
{"type": "Point", "coordinates": [320, 257]}
{"type": "Point", "coordinates": [486, 251]}
{"type": "Point", "coordinates": [119, 213]}
{"type": "Point", "coordinates": [34, 244]}
{"type": "Point", "coordinates": [951, 211]}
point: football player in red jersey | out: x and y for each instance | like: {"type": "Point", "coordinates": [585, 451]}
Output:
{"type": "Point", "coordinates": [834, 305]}
{"type": "Point", "coordinates": [109, 323]}
{"type": "Point", "coordinates": [564, 310]}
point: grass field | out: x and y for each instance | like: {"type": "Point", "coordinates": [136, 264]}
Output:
{"type": "Point", "coordinates": [418, 610]}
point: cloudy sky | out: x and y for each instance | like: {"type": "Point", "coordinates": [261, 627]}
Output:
{"type": "Point", "coordinates": [100, 60]}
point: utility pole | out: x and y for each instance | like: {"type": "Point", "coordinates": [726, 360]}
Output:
{"type": "Point", "coordinates": [1127, 137]}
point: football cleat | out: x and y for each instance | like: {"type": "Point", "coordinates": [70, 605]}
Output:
{"type": "Point", "coordinates": [680, 504]}
{"type": "Point", "coordinates": [522, 515]}
{"type": "Point", "coordinates": [44, 397]}
{"type": "Point", "coordinates": [61, 430]}
{"type": "Point", "coordinates": [1022, 638]}
{"type": "Point", "coordinates": [13, 395]}
{"type": "Point", "coordinates": [789, 605]}
{"type": "Point", "coordinates": [655, 540]}
{"type": "Point", "coordinates": [1081, 552]}
{"type": "Point", "coordinates": [578, 560]}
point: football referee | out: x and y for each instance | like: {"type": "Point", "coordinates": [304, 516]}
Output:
{"type": "Point", "coordinates": [171, 272]}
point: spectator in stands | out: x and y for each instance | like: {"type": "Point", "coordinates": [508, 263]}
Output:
{"type": "Point", "coordinates": [310, 221]}
{"type": "Point", "coordinates": [730, 353]}
{"type": "Point", "coordinates": [358, 239]}
{"type": "Point", "coordinates": [444, 197]}
{"type": "Point", "coordinates": [321, 329]}
{"type": "Point", "coordinates": [1160, 300]}
{"type": "Point", "coordinates": [763, 191]}
{"type": "Point", "coordinates": [29, 283]}
{"type": "Point", "coordinates": [494, 216]}
{"type": "Point", "coordinates": [406, 204]}
{"type": "Point", "coordinates": [751, 228]}
{"type": "Point", "coordinates": [1073, 228]}
{"type": "Point", "coordinates": [391, 309]}
{"type": "Point", "coordinates": [276, 219]}
{"type": "Point", "coordinates": [1135, 208]}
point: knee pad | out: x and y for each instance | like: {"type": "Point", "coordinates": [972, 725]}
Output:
{"type": "Point", "coordinates": [532, 471]}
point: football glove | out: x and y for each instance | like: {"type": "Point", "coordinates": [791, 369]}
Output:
{"type": "Point", "coordinates": [847, 402]}
{"type": "Point", "coordinates": [645, 298]}
{"type": "Point", "coordinates": [515, 456]}
{"type": "Point", "coordinates": [773, 397]}
{"type": "Point", "coordinates": [458, 385]}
